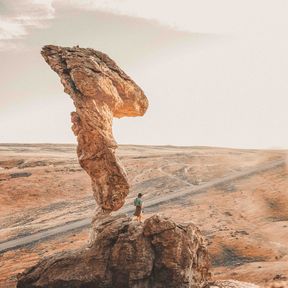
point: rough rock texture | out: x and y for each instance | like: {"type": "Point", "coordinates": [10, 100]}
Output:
{"type": "Point", "coordinates": [159, 253]}
{"type": "Point", "coordinates": [122, 253]}
{"type": "Point", "coordinates": [100, 91]}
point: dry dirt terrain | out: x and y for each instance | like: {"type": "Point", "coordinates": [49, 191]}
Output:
{"type": "Point", "coordinates": [245, 219]}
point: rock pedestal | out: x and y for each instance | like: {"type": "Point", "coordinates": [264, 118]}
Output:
{"type": "Point", "coordinates": [125, 253]}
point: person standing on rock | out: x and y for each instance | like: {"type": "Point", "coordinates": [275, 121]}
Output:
{"type": "Point", "coordinates": [138, 202]}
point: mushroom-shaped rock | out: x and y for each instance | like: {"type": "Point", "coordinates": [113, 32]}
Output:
{"type": "Point", "coordinates": [100, 91]}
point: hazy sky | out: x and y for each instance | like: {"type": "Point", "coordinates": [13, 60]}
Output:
{"type": "Point", "coordinates": [215, 71]}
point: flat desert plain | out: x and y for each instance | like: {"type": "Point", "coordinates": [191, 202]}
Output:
{"type": "Point", "coordinates": [238, 199]}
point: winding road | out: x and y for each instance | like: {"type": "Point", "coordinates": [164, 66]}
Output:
{"type": "Point", "coordinates": [187, 191]}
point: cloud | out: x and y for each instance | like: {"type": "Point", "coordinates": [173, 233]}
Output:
{"type": "Point", "coordinates": [195, 16]}
{"type": "Point", "coordinates": [201, 16]}
{"type": "Point", "coordinates": [10, 29]}
{"type": "Point", "coordinates": [17, 18]}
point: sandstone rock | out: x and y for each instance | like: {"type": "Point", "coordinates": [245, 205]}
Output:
{"type": "Point", "coordinates": [121, 253]}
{"type": "Point", "coordinates": [128, 254]}
{"type": "Point", "coordinates": [100, 90]}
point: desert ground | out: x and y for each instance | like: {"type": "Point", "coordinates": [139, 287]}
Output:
{"type": "Point", "coordinates": [244, 219]}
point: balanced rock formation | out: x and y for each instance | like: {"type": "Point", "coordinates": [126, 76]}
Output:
{"type": "Point", "coordinates": [126, 254]}
{"type": "Point", "coordinates": [100, 91]}
{"type": "Point", "coordinates": [121, 253]}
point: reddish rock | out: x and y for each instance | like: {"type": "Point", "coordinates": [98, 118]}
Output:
{"type": "Point", "coordinates": [100, 90]}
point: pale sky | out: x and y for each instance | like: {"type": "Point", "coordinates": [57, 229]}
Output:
{"type": "Point", "coordinates": [215, 71]}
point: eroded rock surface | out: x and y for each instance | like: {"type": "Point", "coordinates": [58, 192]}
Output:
{"type": "Point", "coordinates": [100, 91]}
{"type": "Point", "coordinates": [121, 253]}
{"type": "Point", "coordinates": [158, 253]}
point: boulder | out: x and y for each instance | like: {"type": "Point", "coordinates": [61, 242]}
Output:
{"type": "Point", "coordinates": [126, 254]}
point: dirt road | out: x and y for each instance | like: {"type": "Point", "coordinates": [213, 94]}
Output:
{"type": "Point", "coordinates": [191, 190]}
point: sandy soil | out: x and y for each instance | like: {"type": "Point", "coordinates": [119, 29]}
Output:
{"type": "Point", "coordinates": [245, 221]}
